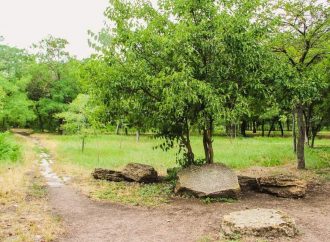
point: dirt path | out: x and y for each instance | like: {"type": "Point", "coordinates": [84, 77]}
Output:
{"type": "Point", "coordinates": [182, 220]}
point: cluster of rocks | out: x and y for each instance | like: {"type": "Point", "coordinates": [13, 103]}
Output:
{"type": "Point", "coordinates": [132, 172]}
{"type": "Point", "coordinates": [210, 180]}
{"type": "Point", "coordinates": [217, 180]}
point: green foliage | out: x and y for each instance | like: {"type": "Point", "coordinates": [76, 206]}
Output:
{"type": "Point", "coordinates": [54, 82]}
{"type": "Point", "coordinates": [9, 150]}
{"type": "Point", "coordinates": [15, 108]}
{"type": "Point", "coordinates": [172, 173]}
{"type": "Point", "coordinates": [181, 65]}
{"type": "Point", "coordinates": [75, 119]}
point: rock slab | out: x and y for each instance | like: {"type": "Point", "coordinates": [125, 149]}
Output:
{"type": "Point", "coordinates": [210, 180]}
{"type": "Point", "coordinates": [259, 222]}
{"type": "Point", "coordinates": [140, 173]}
{"type": "Point", "coordinates": [248, 183]}
{"type": "Point", "coordinates": [283, 186]}
{"type": "Point", "coordinates": [109, 175]}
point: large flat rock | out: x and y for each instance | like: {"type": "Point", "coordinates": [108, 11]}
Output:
{"type": "Point", "coordinates": [210, 180]}
{"type": "Point", "coordinates": [259, 222]}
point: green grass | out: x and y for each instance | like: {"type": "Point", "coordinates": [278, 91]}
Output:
{"type": "Point", "coordinates": [112, 151]}
{"type": "Point", "coordinates": [133, 193]}
{"type": "Point", "coordinates": [10, 151]}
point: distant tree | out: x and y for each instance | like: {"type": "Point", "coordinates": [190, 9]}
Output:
{"type": "Point", "coordinates": [15, 107]}
{"type": "Point", "coordinates": [75, 119]}
{"type": "Point", "coordinates": [54, 81]}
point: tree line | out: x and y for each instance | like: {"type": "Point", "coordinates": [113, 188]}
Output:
{"type": "Point", "coordinates": [178, 67]}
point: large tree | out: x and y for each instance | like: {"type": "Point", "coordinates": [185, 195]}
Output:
{"type": "Point", "coordinates": [302, 41]}
{"type": "Point", "coordinates": [182, 64]}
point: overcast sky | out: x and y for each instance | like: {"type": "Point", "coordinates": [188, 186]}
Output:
{"type": "Point", "coordinates": [23, 22]}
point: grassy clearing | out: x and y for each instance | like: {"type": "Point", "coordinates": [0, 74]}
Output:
{"type": "Point", "coordinates": [111, 151]}
{"type": "Point", "coordinates": [115, 151]}
{"type": "Point", "coordinates": [24, 213]}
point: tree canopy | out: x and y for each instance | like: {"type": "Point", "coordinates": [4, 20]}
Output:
{"type": "Point", "coordinates": [179, 67]}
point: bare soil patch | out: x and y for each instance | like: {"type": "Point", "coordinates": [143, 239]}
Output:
{"type": "Point", "coordinates": [183, 219]}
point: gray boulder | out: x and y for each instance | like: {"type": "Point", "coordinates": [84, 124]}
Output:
{"type": "Point", "coordinates": [283, 186]}
{"type": "Point", "coordinates": [259, 222]}
{"type": "Point", "coordinates": [210, 180]}
{"type": "Point", "coordinates": [140, 173]}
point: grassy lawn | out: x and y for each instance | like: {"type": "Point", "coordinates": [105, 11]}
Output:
{"type": "Point", "coordinates": [113, 151]}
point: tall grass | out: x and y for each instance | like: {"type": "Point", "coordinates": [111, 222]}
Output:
{"type": "Point", "coordinates": [113, 151]}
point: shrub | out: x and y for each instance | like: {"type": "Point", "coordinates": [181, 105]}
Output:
{"type": "Point", "coordinates": [9, 151]}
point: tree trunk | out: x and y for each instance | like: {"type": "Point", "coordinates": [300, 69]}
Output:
{"type": "Point", "coordinates": [190, 153]}
{"type": "Point", "coordinates": [60, 129]}
{"type": "Point", "coordinates": [207, 143]}
{"type": "Point", "coordinates": [126, 131]}
{"type": "Point", "coordinates": [117, 128]}
{"type": "Point", "coordinates": [281, 128]}
{"type": "Point", "coordinates": [243, 128]}
{"type": "Point", "coordinates": [263, 128]}
{"type": "Point", "coordinates": [294, 137]}
{"type": "Point", "coordinates": [301, 138]}
{"type": "Point", "coordinates": [306, 128]}
{"type": "Point", "coordinates": [137, 135]}
{"type": "Point", "coordinates": [83, 144]}
{"type": "Point", "coordinates": [313, 139]}
{"type": "Point", "coordinates": [308, 124]}
{"type": "Point", "coordinates": [314, 131]}
{"type": "Point", "coordinates": [41, 123]}
{"type": "Point", "coordinates": [254, 127]}
{"type": "Point", "coordinates": [271, 127]}
{"type": "Point", "coordinates": [185, 138]}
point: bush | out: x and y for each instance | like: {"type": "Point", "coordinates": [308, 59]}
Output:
{"type": "Point", "coordinates": [9, 151]}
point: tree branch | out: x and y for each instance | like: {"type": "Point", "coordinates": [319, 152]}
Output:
{"type": "Point", "coordinates": [283, 50]}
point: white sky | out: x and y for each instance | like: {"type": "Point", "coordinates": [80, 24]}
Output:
{"type": "Point", "coordinates": [23, 22]}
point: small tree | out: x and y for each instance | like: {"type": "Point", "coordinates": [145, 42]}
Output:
{"type": "Point", "coordinates": [75, 119]}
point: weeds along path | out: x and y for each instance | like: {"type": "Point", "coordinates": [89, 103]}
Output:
{"type": "Point", "coordinates": [181, 220]}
